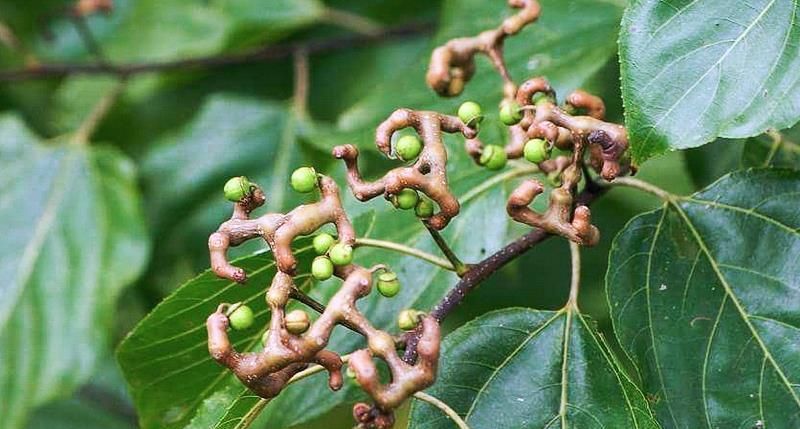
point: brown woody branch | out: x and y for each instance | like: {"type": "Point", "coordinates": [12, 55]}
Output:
{"type": "Point", "coordinates": [484, 269]}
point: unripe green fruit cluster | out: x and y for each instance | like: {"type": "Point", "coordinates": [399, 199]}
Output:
{"type": "Point", "coordinates": [408, 147]}
{"type": "Point", "coordinates": [541, 98]}
{"type": "Point", "coordinates": [493, 157]}
{"type": "Point", "coordinates": [510, 113]}
{"type": "Point", "coordinates": [297, 322]}
{"type": "Point", "coordinates": [388, 284]}
{"type": "Point", "coordinates": [331, 254]}
{"type": "Point", "coordinates": [241, 317]}
{"type": "Point", "coordinates": [409, 319]}
{"type": "Point", "coordinates": [470, 113]}
{"type": "Point", "coordinates": [304, 179]}
{"type": "Point", "coordinates": [536, 151]}
{"type": "Point", "coordinates": [236, 188]}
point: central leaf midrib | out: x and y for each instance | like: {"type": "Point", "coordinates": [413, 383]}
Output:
{"type": "Point", "coordinates": [738, 305]}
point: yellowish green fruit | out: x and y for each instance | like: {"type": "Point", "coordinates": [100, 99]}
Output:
{"type": "Point", "coordinates": [236, 188]}
{"type": "Point", "coordinates": [297, 322]}
{"type": "Point", "coordinates": [241, 317]}
{"type": "Point", "coordinates": [304, 180]}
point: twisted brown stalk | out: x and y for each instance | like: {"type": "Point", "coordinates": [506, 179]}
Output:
{"type": "Point", "coordinates": [428, 174]}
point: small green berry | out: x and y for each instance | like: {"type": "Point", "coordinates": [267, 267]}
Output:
{"type": "Point", "coordinates": [322, 268]}
{"type": "Point", "coordinates": [236, 188]}
{"type": "Point", "coordinates": [304, 180]}
{"type": "Point", "coordinates": [493, 157]}
{"type": "Point", "coordinates": [265, 337]}
{"type": "Point", "coordinates": [341, 254]}
{"type": "Point", "coordinates": [536, 151]}
{"type": "Point", "coordinates": [388, 284]}
{"type": "Point", "coordinates": [241, 317]}
{"type": "Point", "coordinates": [541, 98]}
{"type": "Point", "coordinates": [406, 199]}
{"type": "Point", "coordinates": [351, 375]}
{"type": "Point", "coordinates": [424, 208]}
{"type": "Point", "coordinates": [409, 319]}
{"type": "Point", "coordinates": [408, 147]}
{"type": "Point", "coordinates": [297, 322]}
{"type": "Point", "coordinates": [470, 113]}
{"type": "Point", "coordinates": [322, 242]}
{"type": "Point", "coordinates": [510, 113]}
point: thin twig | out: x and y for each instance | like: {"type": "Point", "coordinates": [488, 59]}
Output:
{"type": "Point", "coordinates": [301, 81]}
{"type": "Point", "coordinates": [575, 282]}
{"type": "Point", "coordinates": [459, 267]}
{"type": "Point", "coordinates": [99, 111]}
{"type": "Point", "coordinates": [390, 245]}
{"type": "Point", "coordinates": [262, 54]}
{"type": "Point", "coordinates": [422, 396]}
{"type": "Point", "coordinates": [351, 21]}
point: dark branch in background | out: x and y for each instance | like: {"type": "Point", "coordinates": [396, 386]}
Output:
{"type": "Point", "coordinates": [262, 54]}
{"type": "Point", "coordinates": [482, 270]}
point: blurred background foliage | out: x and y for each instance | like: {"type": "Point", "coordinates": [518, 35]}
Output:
{"type": "Point", "coordinates": [182, 132]}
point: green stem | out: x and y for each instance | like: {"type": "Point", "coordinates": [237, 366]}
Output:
{"type": "Point", "coordinates": [575, 282]}
{"type": "Point", "coordinates": [459, 267]}
{"type": "Point", "coordinates": [422, 396]}
{"type": "Point", "coordinates": [389, 245]}
{"type": "Point", "coordinates": [642, 186]}
{"type": "Point", "coordinates": [95, 117]}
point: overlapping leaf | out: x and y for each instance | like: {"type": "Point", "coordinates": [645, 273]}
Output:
{"type": "Point", "coordinates": [73, 237]}
{"type": "Point", "coordinates": [695, 71]}
{"type": "Point", "coordinates": [522, 368]}
{"type": "Point", "coordinates": [704, 296]}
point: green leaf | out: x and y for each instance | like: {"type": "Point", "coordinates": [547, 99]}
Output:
{"type": "Point", "coordinates": [695, 71]}
{"type": "Point", "coordinates": [704, 297]}
{"type": "Point", "coordinates": [570, 42]}
{"type": "Point", "coordinates": [184, 173]}
{"type": "Point", "coordinates": [73, 237]}
{"type": "Point", "coordinates": [522, 368]}
{"type": "Point", "coordinates": [778, 149]}
{"type": "Point", "coordinates": [151, 30]}
{"type": "Point", "coordinates": [76, 414]}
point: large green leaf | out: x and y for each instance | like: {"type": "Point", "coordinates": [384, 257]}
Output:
{"type": "Point", "coordinates": [694, 71]}
{"type": "Point", "coordinates": [522, 368]}
{"type": "Point", "coordinates": [73, 237]}
{"type": "Point", "coordinates": [705, 298]}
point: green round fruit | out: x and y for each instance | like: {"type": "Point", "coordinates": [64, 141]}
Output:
{"type": "Point", "coordinates": [510, 113]}
{"type": "Point", "coordinates": [409, 319]}
{"type": "Point", "coordinates": [341, 254]}
{"type": "Point", "coordinates": [241, 317]}
{"type": "Point", "coordinates": [541, 98]}
{"type": "Point", "coordinates": [236, 188]}
{"type": "Point", "coordinates": [408, 147]}
{"type": "Point", "coordinates": [265, 337]}
{"type": "Point", "coordinates": [322, 268]}
{"type": "Point", "coordinates": [536, 150]}
{"type": "Point", "coordinates": [322, 242]}
{"type": "Point", "coordinates": [388, 284]}
{"type": "Point", "coordinates": [424, 208]}
{"type": "Point", "coordinates": [297, 322]}
{"type": "Point", "coordinates": [493, 157]}
{"type": "Point", "coordinates": [304, 179]}
{"type": "Point", "coordinates": [406, 199]}
{"type": "Point", "coordinates": [470, 113]}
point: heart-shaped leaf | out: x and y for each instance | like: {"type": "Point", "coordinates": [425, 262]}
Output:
{"type": "Point", "coordinates": [695, 71]}
{"type": "Point", "coordinates": [525, 369]}
{"type": "Point", "coordinates": [705, 298]}
{"type": "Point", "coordinates": [73, 237]}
